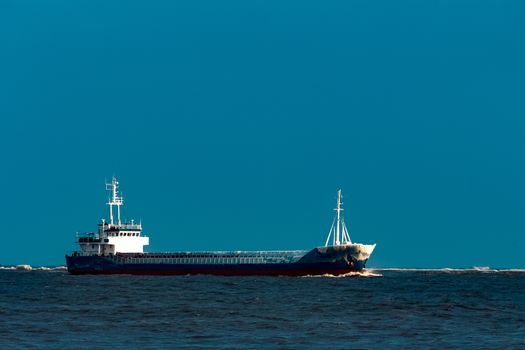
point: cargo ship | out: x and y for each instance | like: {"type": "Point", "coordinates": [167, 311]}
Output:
{"type": "Point", "coordinates": [118, 248]}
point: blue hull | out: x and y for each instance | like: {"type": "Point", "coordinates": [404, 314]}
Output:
{"type": "Point", "coordinates": [314, 262]}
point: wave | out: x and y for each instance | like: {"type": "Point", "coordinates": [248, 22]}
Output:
{"type": "Point", "coordinates": [27, 267]}
{"type": "Point", "coordinates": [480, 269]}
{"type": "Point", "coordinates": [53, 268]}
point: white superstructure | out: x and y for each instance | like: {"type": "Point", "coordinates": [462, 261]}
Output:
{"type": "Point", "coordinates": [112, 238]}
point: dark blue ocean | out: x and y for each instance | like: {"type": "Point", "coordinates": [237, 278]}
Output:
{"type": "Point", "coordinates": [50, 309]}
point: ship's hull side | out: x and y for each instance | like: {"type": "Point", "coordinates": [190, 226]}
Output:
{"type": "Point", "coordinates": [100, 265]}
{"type": "Point", "coordinates": [318, 261]}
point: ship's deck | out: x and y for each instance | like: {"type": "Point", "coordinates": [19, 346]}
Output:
{"type": "Point", "coordinates": [221, 257]}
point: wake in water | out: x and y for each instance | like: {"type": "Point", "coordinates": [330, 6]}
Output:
{"type": "Point", "coordinates": [366, 273]}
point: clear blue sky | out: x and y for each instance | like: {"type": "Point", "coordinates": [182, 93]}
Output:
{"type": "Point", "coordinates": [231, 124]}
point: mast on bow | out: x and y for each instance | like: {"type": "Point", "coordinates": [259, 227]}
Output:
{"type": "Point", "coordinates": [338, 231]}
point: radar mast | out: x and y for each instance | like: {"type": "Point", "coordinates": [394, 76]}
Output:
{"type": "Point", "coordinates": [115, 200]}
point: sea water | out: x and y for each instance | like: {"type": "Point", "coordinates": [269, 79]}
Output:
{"type": "Point", "coordinates": [409, 309]}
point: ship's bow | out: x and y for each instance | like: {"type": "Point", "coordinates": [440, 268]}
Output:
{"type": "Point", "coordinates": [344, 257]}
